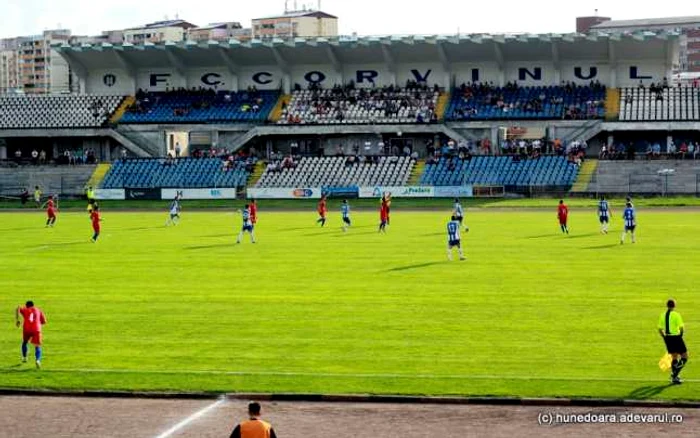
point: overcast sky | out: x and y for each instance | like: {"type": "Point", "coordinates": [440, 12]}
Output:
{"type": "Point", "coordinates": [366, 17]}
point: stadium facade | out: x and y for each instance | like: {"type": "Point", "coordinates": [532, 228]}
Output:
{"type": "Point", "coordinates": [569, 87]}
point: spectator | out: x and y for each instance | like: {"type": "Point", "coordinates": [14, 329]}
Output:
{"type": "Point", "coordinates": [254, 427]}
{"type": "Point", "coordinates": [35, 156]}
{"type": "Point", "coordinates": [178, 150]}
{"type": "Point", "coordinates": [42, 157]}
{"type": "Point", "coordinates": [656, 150]}
{"type": "Point", "coordinates": [24, 196]}
{"type": "Point", "coordinates": [691, 150]}
{"type": "Point", "coordinates": [124, 154]}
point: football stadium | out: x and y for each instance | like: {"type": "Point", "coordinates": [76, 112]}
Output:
{"type": "Point", "coordinates": [469, 232]}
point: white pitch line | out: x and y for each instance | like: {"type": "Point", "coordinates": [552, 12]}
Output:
{"type": "Point", "coordinates": [181, 425]}
{"type": "Point", "coordinates": [356, 375]}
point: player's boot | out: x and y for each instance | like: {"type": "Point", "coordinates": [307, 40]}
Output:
{"type": "Point", "coordinates": [38, 364]}
{"type": "Point", "coordinates": [24, 359]}
{"type": "Point", "coordinates": [676, 380]}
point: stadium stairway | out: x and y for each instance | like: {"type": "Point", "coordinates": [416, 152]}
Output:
{"type": "Point", "coordinates": [441, 106]}
{"type": "Point", "coordinates": [416, 173]}
{"type": "Point", "coordinates": [99, 174]}
{"type": "Point", "coordinates": [257, 173]}
{"type": "Point", "coordinates": [276, 112]}
{"type": "Point", "coordinates": [585, 175]}
{"type": "Point", "coordinates": [121, 109]}
{"type": "Point", "coordinates": [612, 104]}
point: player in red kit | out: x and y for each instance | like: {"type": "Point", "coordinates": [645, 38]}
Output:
{"type": "Point", "coordinates": [563, 215]}
{"type": "Point", "coordinates": [322, 210]}
{"type": "Point", "coordinates": [31, 330]}
{"type": "Point", "coordinates": [95, 218]}
{"type": "Point", "coordinates": [386, 205]}
{"type": "Point", "coordinates": [50, 212]}
{"type": "Point", "coordinates": [253, 208]}
{"type": "Point", "coordinates": [383, 217]}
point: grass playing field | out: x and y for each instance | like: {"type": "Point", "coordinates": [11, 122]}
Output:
{"type": "Point", "coordinates": [531, 313]}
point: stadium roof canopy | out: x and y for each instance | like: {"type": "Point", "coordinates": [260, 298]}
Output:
{"type": "Point", "coordinates": [648, 23]}
{"type": "Point", "coordinates": [351, 50]}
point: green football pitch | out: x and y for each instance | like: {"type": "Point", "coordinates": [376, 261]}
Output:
{"type": "Point", "coordinates": [531, 312]}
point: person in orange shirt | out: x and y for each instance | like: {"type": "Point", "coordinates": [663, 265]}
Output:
{"type": "Point", "coordinates": [255, 427]}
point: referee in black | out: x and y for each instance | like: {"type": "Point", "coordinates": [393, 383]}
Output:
{"type": "Point", "coordinates": [671, 330]}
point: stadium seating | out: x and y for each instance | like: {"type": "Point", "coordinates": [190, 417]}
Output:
{"type": "Point", "coordinates": [680, 103]}
{"type": "Point", "coordinates": [179, 173]}
{"type": "Point", "coordinates": [504, 170]}
{"type": "Point", "coordinates": [62, 111]}
{"type": "Point", "coordinates": [345, 105]}
{"type": "Point", "coordinates": [519, 103]}
{"type": "Point", "coordinates": [201, 107]}
{"type": "Point", "coordinates": [338, 172]}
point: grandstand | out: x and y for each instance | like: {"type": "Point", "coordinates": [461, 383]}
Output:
{"type": "Point", "coordinates": [338, 172]}
{"type": "Point", "coordinates": [176, 173]}
{"type": "Point", "coordinates": [646, 177]}
{"type": "Point", "coordinates": [483, 102]}
{"type": "Point", "coordinates": [61, 111]}
{"type": "Point", "coordinates": [207, 106]}
{"type": "Point", "coordinates": [343, 105]}
{"type": "Point", "coordinates": [64, 180]}
{"type": "Point", "coordinates": [508, 171]}
{"type": "Point", "coordinates": [662, 103]}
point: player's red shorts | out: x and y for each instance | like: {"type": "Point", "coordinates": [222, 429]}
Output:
{"type": "Point", "coordinates": [51, 213]}
{"type": "Point", "coordinates": [96, 228]}
{"type": "Point", "coordinates": [322, 214]}
{"type": "Point", "coordinates": [33, 337]}
{"type": "Point", "coordinates": [254, 220]}
{"type": "Point", "coordinates": [562, 220]}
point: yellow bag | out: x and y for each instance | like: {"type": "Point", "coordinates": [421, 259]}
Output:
{"type": "Point", "coordinates": [665, 362]}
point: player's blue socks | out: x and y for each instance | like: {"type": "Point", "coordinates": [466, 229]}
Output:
{"type": "Point", "coordinates": [24, 349]}
{"type": "Point", "coordinates": [38, 353]}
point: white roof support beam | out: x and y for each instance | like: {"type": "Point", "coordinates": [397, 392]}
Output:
{"type": "Point", "coordinates": [231, 66]}
{"type": "Point", "coordinates": [175, 61]}
{"type": "Point", "coordinates": [612, 61]}
{"type": "Point", "coordinates": [125, 64]}
{"type": "Point", "coordinates": [390, 63]}
{"type": "Point", "coordinates": [500, 62]}
{"type": "Point", "coordinates": [286, 71]}
{"type": "Point", "coordinates": [281, 62]}
{"type": "Point", "coordinates": [333, 57]}
{"type": "Point", "coordinates": [446, 65]}
{"type": "Point", "coordinates": [556, 61]}
{"type": "Point", "coordinates": [75, 65]}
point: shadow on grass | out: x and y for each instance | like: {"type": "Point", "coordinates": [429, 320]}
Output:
{"type": "Point", "coordinates": [580, 236]}
{"type": "Point", "coordinates": [610, 245]}
{"type": "Point", "coordinates": [218, 245]}
{"type": "Point", "coordinates": [416, 266]}
{"type": "Point", "coordinates": [646, 392]}
{"type": "Point", "coordinates": [51, 245]}
{"type": "Point", "coordinates": [542, 236]}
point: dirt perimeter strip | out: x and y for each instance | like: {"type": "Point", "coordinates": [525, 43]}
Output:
{"type": "Point", "coordinates": [359, 398]}
{"type": "Point", "coordinates": [81, 417]}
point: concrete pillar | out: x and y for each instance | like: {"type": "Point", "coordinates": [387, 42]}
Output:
{"type": "Point", "coordinates": [3, 152]}
{"type": "Point", "coordinates": [494, 139]}
{"type": "Point", "coordinates": [613, 76]}
{"type": "Point", "coordinates": [287, 84]}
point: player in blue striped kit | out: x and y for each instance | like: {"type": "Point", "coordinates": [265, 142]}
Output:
{"type": "Point", "coordinates": [247, 225]}
{"type": "Point", "coordinates": [345, 211]}
{"type": "Point", "coordinates": [630, 219]}
{"type": "Point", "coordinates": [604, 215]}
{"type": "Point", "coordinates": [453, 238]}
{"type": "Point", "coordinates": [458, 212]}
